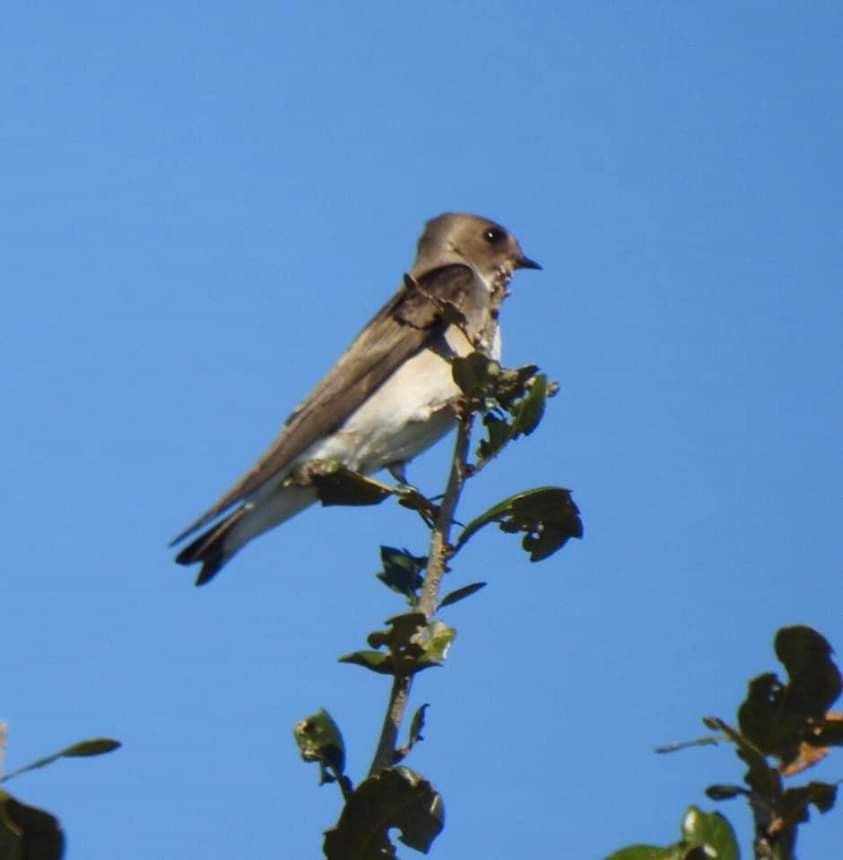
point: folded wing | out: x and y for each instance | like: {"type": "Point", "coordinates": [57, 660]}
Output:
{"type": "Point", "coordinates": [417, 313]}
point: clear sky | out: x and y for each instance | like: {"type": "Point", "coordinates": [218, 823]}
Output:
{"type": "Point", "coordinates": [204, 202]}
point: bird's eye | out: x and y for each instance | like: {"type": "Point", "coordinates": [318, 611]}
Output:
{"type": "Point", "coordinates": [494, 235]}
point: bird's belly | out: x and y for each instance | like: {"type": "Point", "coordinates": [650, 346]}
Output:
{"type": "Point", "coordinates": [407, 414]}
{"type": "Point", "coordinates": [411, 411]}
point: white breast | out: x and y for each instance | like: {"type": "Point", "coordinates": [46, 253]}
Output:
{"type": "Point", "coordinates": [406, 415]}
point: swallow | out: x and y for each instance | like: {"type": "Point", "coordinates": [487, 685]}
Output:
{"type": "Point", "coordinates": [389, 397]}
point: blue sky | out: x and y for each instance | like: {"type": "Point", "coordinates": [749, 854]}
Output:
{"type": "Point", "coordinates": [205, 202]}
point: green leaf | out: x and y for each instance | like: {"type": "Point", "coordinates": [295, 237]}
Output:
{"type": "Point", "coordinates": [461, 593]}
{"type": "Point", "coordinates": [93, 747]}
{"type": "Point", "coordinates": [647, 852]}
{"type": "Point", "coordinates": [548, 515]}
{"type": "Point", "coordinates": [499, 433]}
{"type": "Point", "coordinates": [522, 395]}
{"type": "Point", "coordinates": [337, 485]}
{"type": "Point", "coordinates": [499, 392]}
{"type": "Point", "coordinates": [529, 411]}
{"type": "Point", "coordinates": [436, 642]}
{"type": "Point", "coordinates": [724, 792]}
{"type": "Point", "coordinates": [705, 836]}
{"type": "Point", "coordinates": [413, 645]}
{"type": "Point", "coordinates": [395, 798]}
{"type": "Point", "coordinates": [319, 739]}
{"type": "Point", "coordinates": [402, 571]}
{"type": "Point", "coordinates": [711, 832]}
{"type": "Point", "coordinates": [415, 735]}
{"type": "Point", "coordinates": [416, 726]}
{"type": "Point", "coordinates": [375, 661]}
{"type": "Point", "coordinates": [28, 833]}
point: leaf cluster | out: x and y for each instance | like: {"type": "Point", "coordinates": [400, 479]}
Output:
{"type": "Point", "coordinates": [783, 728]}
{"type": "Point", "coordinates": [510, 401]}
{"type": "Point", "coordinates": [411, 644]}
{"type": "Point", "coordinates": [397, 797]}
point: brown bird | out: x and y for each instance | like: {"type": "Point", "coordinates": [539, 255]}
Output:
{"type": "Point", "coordinates": [390, 396]}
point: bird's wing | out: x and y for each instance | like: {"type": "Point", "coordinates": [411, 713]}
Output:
{"type": "Point", "coordinates": [418, 312]}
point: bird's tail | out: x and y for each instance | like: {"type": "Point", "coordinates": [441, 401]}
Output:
{"type": "Point", "coordinates": [216, 546]}
{"type": "Point", "coordinates": [210, 547]}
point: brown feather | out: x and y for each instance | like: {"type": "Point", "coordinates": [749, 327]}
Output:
{"type": "Point", "coordinates": [403, 326]}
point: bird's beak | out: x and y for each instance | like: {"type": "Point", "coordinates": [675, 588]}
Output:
{"type": "Point", "coordinates": [526, 263]}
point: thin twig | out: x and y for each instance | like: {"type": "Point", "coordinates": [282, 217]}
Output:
{"type": "Point", "coordinates": [399, 695]}
{"type": "Point", "coordinates": [437, 565]}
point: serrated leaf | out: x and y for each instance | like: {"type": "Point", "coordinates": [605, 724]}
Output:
{"type": "Point", "coordinates": [778, 717]}
{"type": "Point", "coordinates": [319, 739]}
{"type": "Point", "coordinates": [93, 747]}
{"type": "Point", "coordinates": [28, 833]}
{"type": "Point", "coordinates": [548, 515]}
{"type": "Point", "coordinates": [374, 661]}
{"type": "Point", "coordinates": [395, 798]}
{"type": "Point", "coordinates": [461, 593]}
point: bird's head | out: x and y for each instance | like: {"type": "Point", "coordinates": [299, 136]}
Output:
{"type": "Point", "coordinates": [459, 238]}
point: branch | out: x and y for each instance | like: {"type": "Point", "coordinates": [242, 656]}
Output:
{"type": "Point", "coordinates": [399, 695]}
{"type": "Point", "coordinates": [440, 539]}
{"type": "Point", "coordinates": [428, 602]}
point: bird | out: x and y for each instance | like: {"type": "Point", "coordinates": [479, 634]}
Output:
{"type": "Point", "coordinates": [389, 397]}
